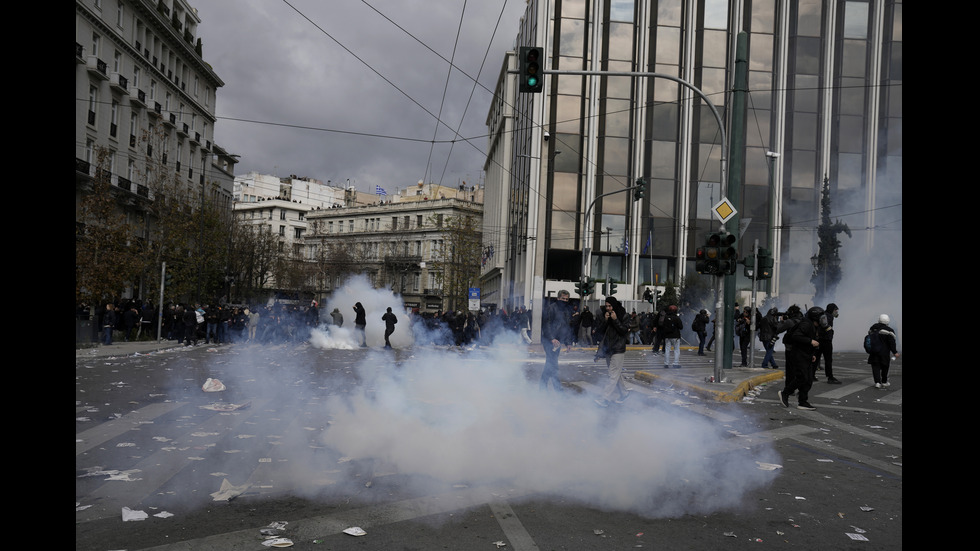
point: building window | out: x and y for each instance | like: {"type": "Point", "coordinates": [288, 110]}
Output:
{"type": "Point", "coordinates": [297, 233]}
{"type": "Point", "coordinates": [93, 101]}
{"type": "Point", "coordinates": [282, 231]}
{"type": "Point", "coordinates": [282, 215]}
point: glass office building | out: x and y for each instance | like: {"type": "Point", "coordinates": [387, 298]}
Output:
{"type": "Point", "coordinates": [824, 102]}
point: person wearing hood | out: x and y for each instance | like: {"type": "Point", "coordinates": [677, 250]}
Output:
{"type": "Point", "coordinates": [826, 339]}
{"type": "Point", "coordinates": [767, 334]}
{"type": "Point", "coordinates": [801, 347]}
{"type": "Point", "coordinates": [883, 348]}
{"type": "Point", "coordinates": [360, 322]}
{"type": "Point", "coordinates": [613, 331]}
{"type": "Point", "coordinates": [338, 318]}
{"type": "Point", "coordinates": [671, 328]}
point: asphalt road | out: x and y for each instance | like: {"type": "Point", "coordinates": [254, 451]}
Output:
{"type": "Point", "coordinates": [434, 449]}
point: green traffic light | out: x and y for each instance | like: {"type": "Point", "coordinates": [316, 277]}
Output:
{"type": "Point", "coordinates": [532, 81]}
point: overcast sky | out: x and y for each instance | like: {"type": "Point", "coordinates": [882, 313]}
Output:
{"type": "Point", "coordinates": [351, 89]}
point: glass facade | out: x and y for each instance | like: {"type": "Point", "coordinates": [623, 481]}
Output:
{"type": "Point", "coordinates": [824, 102]}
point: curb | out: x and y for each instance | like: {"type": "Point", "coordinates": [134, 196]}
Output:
{"type": "Point", "coordinates": [734, 395]}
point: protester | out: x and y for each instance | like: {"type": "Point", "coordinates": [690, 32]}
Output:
{"type": "Point", "coordinates": [360, 322]}
{"type": "Point", "coordinates": [556, 330]}
{"type": "Point", "coordinates": [801, 345]}
{"type": "Point", "coordinates": [390, 320]}
{"type": "Point", "coordinates": [700, 326]}
{"type": "Point", "coordinates": [670, 329]}
{"type": "Point", "coordinates": [613, 333]}
{"type": "Point", "coordinates": [883, 349]}
{"type": "Point", "coordinates": [827, 342]}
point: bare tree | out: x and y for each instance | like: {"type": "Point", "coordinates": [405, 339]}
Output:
{"type": "Point", "coordinates": [459, 264]}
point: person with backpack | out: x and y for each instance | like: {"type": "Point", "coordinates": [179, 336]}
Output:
{"type": "Point", "coordinates": [671, 330]}
{"type": "Point", "coordinates": [880, 344]}
{"type": "Point", "coordinates": [768, 330]}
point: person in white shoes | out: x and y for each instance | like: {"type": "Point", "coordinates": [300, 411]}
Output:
{"type": "Point", "coordinates": [883, 349]}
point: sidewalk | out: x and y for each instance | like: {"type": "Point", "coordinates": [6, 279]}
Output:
{"type": "Point", "coordinates": [697, 374]}
{"type": "Point", "coordinates": [121, 348]}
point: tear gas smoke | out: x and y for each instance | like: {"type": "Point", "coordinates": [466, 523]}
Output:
{"type": "Point", "coordinates": [444, 421]}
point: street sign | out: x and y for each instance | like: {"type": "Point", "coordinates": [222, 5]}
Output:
{"type": "Point", "coordinates": [724, 210]}
{"type": "Point", "coordinates": [474, 296]}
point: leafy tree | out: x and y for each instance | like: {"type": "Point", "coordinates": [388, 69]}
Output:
{"type": "Point", "coordinates": [108, 255]}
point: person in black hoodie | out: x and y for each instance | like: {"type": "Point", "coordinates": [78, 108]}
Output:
{"type": "Point", "coordinates": [882, 351]}
{"type": "Point", "coordinates": [827, 342]}
{"type": "Point", "coordinates": [613, 331]}
{"type": "Point", "coordinates": [801, 347]}
{"type": "Point", "coordinates": [360, 323]}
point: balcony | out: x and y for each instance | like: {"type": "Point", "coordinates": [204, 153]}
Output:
{"type": "Point", "coordinates": [97, 68]}
{"type": "Point", "coordinates": [79, 54]}
{"type": "Point", "coordinates": [124, 183]}
{"type": "Point", "coordinates": [119, 83]}
{"type": "Point", "coordinates": [170, 121]}
{"type": "Point", "coordinates": [183, 129]}
{"type": "Point", "coordinates": [137, 98]}
{"type": "Point", "coordinates": [432, 292]}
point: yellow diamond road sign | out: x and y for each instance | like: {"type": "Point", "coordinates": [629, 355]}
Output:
{"type": "Point", "coordinates": [724, 211]}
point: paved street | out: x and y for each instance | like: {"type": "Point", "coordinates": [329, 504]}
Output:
{"type": "Point", "coordinates": [432, 449]}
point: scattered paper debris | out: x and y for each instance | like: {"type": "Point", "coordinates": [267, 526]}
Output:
{"type": "Point", "coordinates": [164, 514]}
{"type": "Point", "coordinates": [129, 514]}
{"type": "Point", "coordinates": [278, 542]}
{"type": "Point", "coordinates": [220, 406]}
{"type": "Point", "coordinates": [768, 466]}
{"type": "Point", "coordinates": [857, 537]}
{"type": "Point", "coordinates": [228, 491]}
{"type": "Point", "coordinates": [866, 508]}
{"type": "Point", "coordinates": [730, 535]}
{"type": "Point", "coordinates": [355, 531]}
{"type": "Point", "coordinates": [213, 385]}
{"type": "Point", "coordinates": [500, 544]}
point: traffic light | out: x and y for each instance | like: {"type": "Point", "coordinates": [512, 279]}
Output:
{"type": "Point", "coordinates": [612, 288]}
{"type": "Point", "coordinates": [532, 79]}
{"type": "Point", "coordinates": [168, 279]}
{"type": "Point", "coordinates": [589, 285]}
{"type": "Point", "coordinates": [765, 264]}
{"type": "Point", "coordinates": [580, 287]}
{"type": "Point", "coordinates": [640, 190]}
{"type": "Point", "coordinates": [727, 254]}
{"type": "Point", "coordinates": [707, 257]}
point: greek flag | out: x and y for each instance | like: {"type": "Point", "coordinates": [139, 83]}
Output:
{"type": "Point", "coordinates": [380, 190]}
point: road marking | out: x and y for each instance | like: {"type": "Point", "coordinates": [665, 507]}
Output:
{"type": "Point", "coordinates": [96, 436]}
{"type": "Point", "coordinates": [366, 518]}
{"type": "Point", "coordinates": [516, 534]}
{"type": "Point", "coordinates": [155, 470]}
{"type": "Point", "coordinates": [842, 452]}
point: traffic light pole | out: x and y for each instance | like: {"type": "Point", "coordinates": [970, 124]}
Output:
{"type": "Point", "coordinates": [586, 251]}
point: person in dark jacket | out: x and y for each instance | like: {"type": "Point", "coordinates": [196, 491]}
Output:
{"type": "Point", "coordinates": [190, 325]}
{"type": "Point", "coordinates": [556, 330]}
{"type": "Point", "coordinates": [360, 322]}
{"type": "Point", "coordinates": [801, 347]}
{"type": "Point", "coordinates": [826, 339]}
{"type": "Point", "coordinates": [700, 326]}
{"type": "Point", "coordinates": [390, 320]}
{"type": "Point", "coordinates": [613, 331]}
{"type": "Point", "coordinates": [882, 352]}
{"type": "Point", "coordinates": [670, 329]}
{"type": "Point", "coordinates": [109, 321]}
{"type": "Point", "coordinates": [767, 334]}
